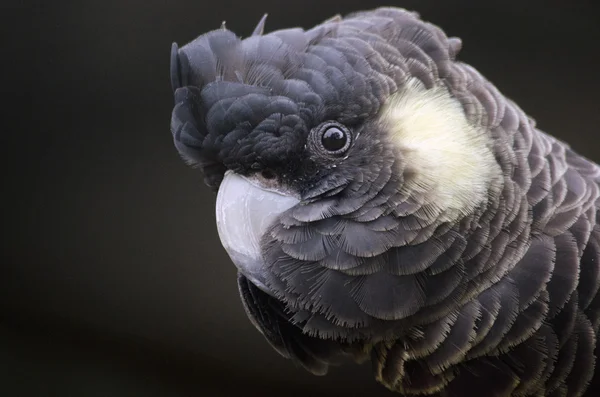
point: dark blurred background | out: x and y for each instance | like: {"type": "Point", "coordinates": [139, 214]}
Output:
{"type": "Point", "coordinates": [113, 281]}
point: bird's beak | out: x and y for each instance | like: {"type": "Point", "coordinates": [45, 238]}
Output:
{"type": "Point", "coordinates": [245, 209]}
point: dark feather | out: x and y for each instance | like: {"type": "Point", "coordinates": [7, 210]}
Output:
{"type": "Point", "coordinates": [502, 301]}
{"type": "Point", "coordinates": [507, 315]}
{"type": "Point", "coordinates": [389, 297]}
{"type": "Point", "coordinates": [454, 348]}
{"type": "Point", "coordinates": [583, 367]}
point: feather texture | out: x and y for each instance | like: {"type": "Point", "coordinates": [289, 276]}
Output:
{"type": "Point", "coordinates": [499, 299]}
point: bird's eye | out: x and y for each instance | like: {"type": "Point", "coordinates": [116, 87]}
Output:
{"type": "Point", "coordinates": [334, 138]}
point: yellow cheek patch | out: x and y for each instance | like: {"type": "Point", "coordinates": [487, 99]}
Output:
{"type": "Point", "coordinates": [445, 156]}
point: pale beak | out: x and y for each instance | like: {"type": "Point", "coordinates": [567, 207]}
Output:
{"type": "Point", "coordinates": [245, 209]}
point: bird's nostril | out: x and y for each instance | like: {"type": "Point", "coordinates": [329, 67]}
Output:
{"type": "Point", "coordinates": [267, 174]}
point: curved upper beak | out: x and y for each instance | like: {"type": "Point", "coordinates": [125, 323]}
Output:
{"type": "Point", "coordinates": [245, 209]}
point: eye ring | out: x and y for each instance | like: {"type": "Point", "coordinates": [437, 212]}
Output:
{"type": "Point", "coordinates": [333, 138]}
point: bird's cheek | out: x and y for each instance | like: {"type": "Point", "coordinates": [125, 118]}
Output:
{"type": "Point", "coordinates": [244, 211]}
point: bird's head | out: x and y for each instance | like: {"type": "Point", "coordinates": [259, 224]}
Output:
{"type": "Point", "coordinates": [346, 162]}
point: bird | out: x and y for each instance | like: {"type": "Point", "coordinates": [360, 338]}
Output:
{"type": "Point", "coordinates": [384, 202]}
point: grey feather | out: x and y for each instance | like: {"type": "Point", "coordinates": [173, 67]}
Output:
{"type": "Point", "coordinates": [503, 301]}
{"type": "Point", "coordinates": [260, 27]}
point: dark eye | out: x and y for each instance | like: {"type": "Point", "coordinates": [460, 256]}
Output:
{"type": "Point", "coordinates": [334, 138]}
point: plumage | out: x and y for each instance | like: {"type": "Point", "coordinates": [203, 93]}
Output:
{"type": "Point", "coordinates": [449, 240]}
